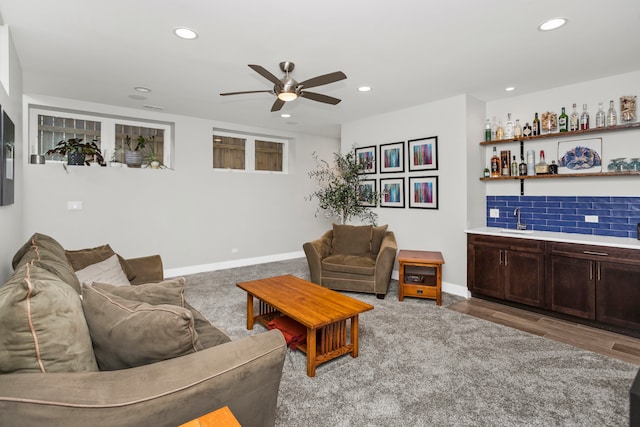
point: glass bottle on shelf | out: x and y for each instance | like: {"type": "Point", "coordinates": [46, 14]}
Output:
{"type": "Point", "coordinates": [612, 116]}
{"type": "Point", "coordinates": [553, 168]}
{"type": "Point", "coordinates": [508, 127]}
{"type": "Point", "coordinates": [487, 131]}
{"type": "Point", "coordinates": [517, 130]}
{"type": "Point", "coordinates": [514, 167]}
{"type": "Point", "coordinates": [535, 131]}
{"type": "Point", "coordinates": [542, 167]}
{"type": "Point", "coordinates": [526, 130]}
{"type": "Point", "coordinates": [500, 130]}
{"type": "Point", "coordinates": [600, 116]}
{"type": "Point", "coordinates": [495, 164]}
{"type": "Point", "coordinates": [584, 118]}
{"type": "Point", "coordinates": [574, 120]}
{"type": "Point", "coordinates": [522, 167]}
{"type": "Point", "coordinates": [494, 129]}
{"type": "Point", "coordinates": [563, 122]}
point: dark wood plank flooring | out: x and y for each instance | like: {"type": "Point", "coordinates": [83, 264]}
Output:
{"type": "Point", "coordinates": [597, 340]}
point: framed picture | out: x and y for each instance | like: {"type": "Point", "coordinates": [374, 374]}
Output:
{"type": "Point", "coordinates": [367, 157]}
{"type": "Point", "coordinates": [367, 193]}
{"type": "Point", "coordinates": [7, 159]}
{"type": "Point", "coordinates": [579, 156]}
{"type": "Point", "coordinates": [423, 192]}
{"type": "Point", "coordinates": [392, 192]}
{"type": "Point", "coordinates": [423, 154]}
{"type": "Point", "coordinates": [392, 157]}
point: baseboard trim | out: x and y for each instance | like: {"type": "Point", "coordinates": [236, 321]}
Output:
{"type": "Point", "coordinates": [203, 268]}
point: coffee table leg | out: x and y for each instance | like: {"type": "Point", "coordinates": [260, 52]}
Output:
{"type": "Point", "coordinates": [311, 352]}
{"type": "Point", "coordinates": [354, 335]}
{"type": "Point", "coordinates": [249, 311]}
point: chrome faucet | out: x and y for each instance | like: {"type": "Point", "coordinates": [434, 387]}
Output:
{"type": "Point", "coordinates": [519, 225]}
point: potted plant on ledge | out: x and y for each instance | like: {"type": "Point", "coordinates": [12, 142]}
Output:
{"type": "Point", "coordinates": [133, 156]}
{"type": "Point", "coordinates": [77, 151]}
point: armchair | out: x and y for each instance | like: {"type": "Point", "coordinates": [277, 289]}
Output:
{"type": "Point", "coordinates": [353, 258]}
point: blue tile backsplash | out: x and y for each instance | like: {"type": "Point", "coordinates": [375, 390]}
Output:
{"type": "Point", "coordinates": [617, 216]}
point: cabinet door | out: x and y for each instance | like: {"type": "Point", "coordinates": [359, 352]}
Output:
{"type": "Point", "coordinates": [524, 278]}
{"type": "Point", "coordinates": [618, 294]}
{"type": "Point", "coordinates": [486, 271]}
{"type": "Point", "coordinates": [571, 286]}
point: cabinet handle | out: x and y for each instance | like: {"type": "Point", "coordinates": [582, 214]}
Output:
{"type": "Point", "coordinates": [595, 253]}
{"type": "Point", "coordinates": [500, 253]}
{"type": "Point", "coordinates": [505, 258]}
{"type": "Point", "coordinates": [591, 271]}
{"type": "Point", "coordinates": [598, 272]}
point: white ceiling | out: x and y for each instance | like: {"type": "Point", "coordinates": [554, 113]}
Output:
{"type": "Point", "coordinates": [410, 51]}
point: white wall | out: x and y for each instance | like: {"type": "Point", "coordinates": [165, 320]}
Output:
{"type": "Point", "coordinates": [616, 144]}
{"type": "Point", "coordinates": [422, 229]}
{"type": "Point", "coordinates": [193, 216]}
{"type": "Point", "coordinates": [11, 216]}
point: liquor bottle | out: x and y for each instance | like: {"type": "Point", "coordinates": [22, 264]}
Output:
{"type": "Point", "coordinates": [553, 168]}
{"type": "Point", "coordinates": [536, 125]}
{"type": "Point", "coordinates": [487, 131]}
{"type": "Point", "coordinates": [612, 116]}
{"type": "Point", "coordinates": [495, 164]}
{"type": "Point", "coordinates": [600, 116]}
{"type": "Point", "coordinates": [494, 129]}
{"type": "Point", "coordinates": [522, 168]}
{"type": "Point", "coordinates": [517, 130]}
{"type": "Point", "coordinates": [508, 127]}
{"type": "Point", "coordinates": [505, 156]}
{"type": "Point", "coordinates": [542, 167]}
{"type": "Point", "coordinates": [499, 131]}
{"type": "Point", "coordinates": [574, 120]}
{"type": "Point", "coordinates": [526, 130]}
{"type": "Point", "coordinates": [514, 167]}
{"type": "Point", "coordinates": [563, 121]}
{"type": "Point", "coordinates": [531, 162]}
{"type": "Point", "coordinates": [584, 118]}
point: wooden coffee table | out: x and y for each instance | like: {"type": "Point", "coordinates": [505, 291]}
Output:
{"type": "Point", "coordinates": [322, 311]}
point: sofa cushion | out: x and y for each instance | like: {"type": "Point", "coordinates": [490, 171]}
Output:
{"type": "Point", "coordinates": [377, 234]}
{"type": "Point", "coordinates": [43, 248]}
{"type": "Point", "coordinates": [43, 326]}
{"type": "Point", "coordinates": [107, 271]}
{"type": "Point", "coordinates": [355, 264]}
{"type": "Point", "coordinates": [127, 334]}
{"type": "Point", "coordinates": [351, 239]}
{"type": "Point", "coordinates": [82, 258]}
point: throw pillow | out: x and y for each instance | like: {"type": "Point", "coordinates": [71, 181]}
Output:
{"type": "Point", "coordinates": [127, 334]}
{"type": "Point", "coordinates": [351, 239]}
{"type": "Point", "coordinates": [82, 258]}
{"type": "Point", "coordinates": [377, 235]}
{"type": "Point", "coordinates": [43, 326]}
{"type": "Point", "coordinates": [166, 292]}
{"type": "Point", "coordinates": [107, 271]}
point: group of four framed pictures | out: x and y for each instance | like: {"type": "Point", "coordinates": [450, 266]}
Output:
{"type": "Point", "coordinates": [422, 155]}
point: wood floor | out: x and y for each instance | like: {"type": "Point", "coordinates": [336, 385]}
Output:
{"type": "Point", "coordinates": [599, 341]}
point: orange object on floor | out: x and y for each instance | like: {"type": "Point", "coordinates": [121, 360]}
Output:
{"type": "Point", "coordinates": [218, 418]}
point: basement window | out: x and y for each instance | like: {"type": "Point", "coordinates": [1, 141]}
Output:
{"type": "Point", "coordinates": [249, 153]}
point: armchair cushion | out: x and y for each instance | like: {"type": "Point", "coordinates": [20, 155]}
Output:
{"type": "Point", "coordinates": [107, 271]}
{"type": "Point", "coordinates": [43, 325]}
{"type": "Point", "coordinates": [82, 258]}
{"type": "Point", "coordinates": [351, 239]}
{"type": "Point", "coordinates": [377, 234]}
{"type": "Point", "coordinates": [354, 264]}
{"type": "Point", "coordinates": [128, 333]}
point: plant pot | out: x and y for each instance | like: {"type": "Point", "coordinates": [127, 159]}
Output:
{"type": "Point", "coordinates": [75, 159]}
{"type": "Point", "coordinates": [133, 159]}
{"type": "Point", "coordinates": [155, 164]}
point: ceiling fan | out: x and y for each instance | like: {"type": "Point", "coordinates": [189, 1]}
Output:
{"type": "Point", "coordinates": [288, 89]}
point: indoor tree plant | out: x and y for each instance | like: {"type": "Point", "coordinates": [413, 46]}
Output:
{"type": "Point", "coordinates": [341, 193]}
{"type": "Point", "coordinates": [76, 151]}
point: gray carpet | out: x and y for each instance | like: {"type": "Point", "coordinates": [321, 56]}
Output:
{"type": "Point", "coordinates": [424, 365]}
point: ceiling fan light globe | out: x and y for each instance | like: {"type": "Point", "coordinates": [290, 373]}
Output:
{"type": "Point", "coordinates": [287, 96]}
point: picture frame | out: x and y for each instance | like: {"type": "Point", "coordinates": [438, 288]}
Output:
{"type": "Point", "coordinates": [579, 156]}
{"type": "Point", "coordinates": [367, 185]}
{"type": "Point", "coordinates": [392, 192]}
{"type": "Point", "coordinates": [423, 154]}
{"type": "Point", "coordinates": [423, 192]}
{"type": "Point", "coordinates": [367, 156]}
{"type": "Point", "coordinates": [7, 160]}
{"type": "Point", "coordinates": [392, 157]}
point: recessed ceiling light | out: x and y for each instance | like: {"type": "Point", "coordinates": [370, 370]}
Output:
{"type": "Point", "coordinates": [285, 115]}
{"type": "Point", "coordinates": [552, 24]}
{"type": "Point", "coordinates": [185, 33]}
{"type": "Point", "coordinates": [510, 89]}
{"type": "Point", "coordinates": [142, 89]}
{"type": "Point", "coordinates": [364, 88]}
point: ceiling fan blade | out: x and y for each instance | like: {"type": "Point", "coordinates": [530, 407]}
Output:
{"type": "Point", "coordinates": [247, 91]}
{"type": "Point", "coordinates": [323, 80]}
{"type": "Point", "coordinates": [266, 74]}
{"type": "Point", "coordinates": [320, 97]}
{"type": "Point", "coordinates": [277, 105]}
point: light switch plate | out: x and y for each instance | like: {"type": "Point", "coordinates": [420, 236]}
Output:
{"type": "Point", "coordinates": [494, 213]}
{"type": "Point", "coordinates": [591, 218]}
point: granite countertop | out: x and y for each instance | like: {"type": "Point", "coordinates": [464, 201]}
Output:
{"type": "Point", "coordinates": [583, 239]}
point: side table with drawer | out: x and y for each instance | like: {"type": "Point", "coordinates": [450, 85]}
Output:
{"type": "Point", "coordinates": [420, 275]}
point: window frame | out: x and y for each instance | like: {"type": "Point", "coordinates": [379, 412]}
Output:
{"type": "Point", "coordinates": [107, 129]}
{"type": "Point", "coordinates": [250, 151]}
